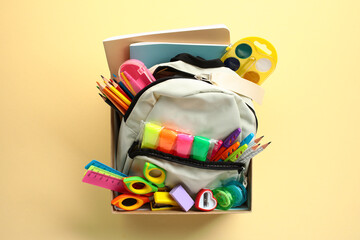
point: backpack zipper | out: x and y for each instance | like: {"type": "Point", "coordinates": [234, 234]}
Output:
{"type": "Point", "coordinates": [136, 151]}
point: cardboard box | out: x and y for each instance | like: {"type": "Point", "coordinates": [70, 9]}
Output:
{"type": "Point", "coordinates": [117, 51]}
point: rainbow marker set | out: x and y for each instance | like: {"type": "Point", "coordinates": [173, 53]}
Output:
{"type": "Point", "coordinates": [177, 143]}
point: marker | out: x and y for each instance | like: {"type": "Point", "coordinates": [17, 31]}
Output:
{"type": "Point", "coordinates": [247, 140]}
{"type": "Point", "coordinates": [227, 143]}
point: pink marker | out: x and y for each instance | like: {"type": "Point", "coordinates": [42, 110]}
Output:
{"type": "Point", "coordinates": [183, 145]}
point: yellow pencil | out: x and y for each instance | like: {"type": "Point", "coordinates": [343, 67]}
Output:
{"type": "Point", "coordinates": [128, 83]}
{"type": "Point", "coordinates": [116, 92]}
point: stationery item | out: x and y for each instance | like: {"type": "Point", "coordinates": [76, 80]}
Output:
{"type": "Point", "coordinates": [130, 202]}
{"type": "Point", "coordinates": [247, 140]}
{"type": "Point", "coordinates": [216, 148]}
{"type": "Point", "coordinates": [108, 102]}
{"type": "Point", "coordinates": [126, 90]}
{"type": "Point", "coordinates": [229, 151]}
{"type": "Point", "coordinates": [205, 200]}
{"type": "Point", "coordinates": [102, 171]}
{"type": "Point", "coordinates": [152, 53]}
{"type": "Point", "coordinates": [248, 151]}
{"type": "Point", "coordinates": [252, 143]}
{"type": "Point", "coordinates": [113, 82]}
{"type": "Point", "coordinates": [167, 140]}
{"type": "Point", "coordinates": [104, 181]}
{"type": "Point", "coordinates": [229, 140]}
{"type": "Point", "coordinates": [180, 195]}
{"type": "Point", "coordinates": [200, 148]}
{"type": "Point", "coordinates": [127, 83]}
{"type": "Point", "coordinates": [257, 151]}
{"type": "Point", "coordinates": [163, 201]}
{"type": "Point", "coordinates": [183, 145]}
{"type": "Point", "coordinates": [116, 92]}
{"type": "Point", "coordinates": [151, 135]}
{"type": "Point", "coordinates": [136, 74]}
{"type": "Point", "coordinates": [139, 185]}
{"type": "Point", "coordinates": [252, 58]}
{"type": "Point", "coordinates": [113, 98]}
{"type": "Point", "coordinates": [105, 167]}
{"type": "Point", "coordinates": [154, 174]}
{"type": "Point", "coordinates": [233, 194]}
{"type": "Point", "coordinates": [235, 155]}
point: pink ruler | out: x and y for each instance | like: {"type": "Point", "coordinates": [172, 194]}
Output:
{"type": "Point", "coordinates": [104, 181]}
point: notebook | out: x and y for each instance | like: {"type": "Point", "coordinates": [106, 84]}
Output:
{"type": "Point", "coordinates": [152, 53]}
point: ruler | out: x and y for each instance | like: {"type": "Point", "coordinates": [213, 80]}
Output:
{"type": "Point", "coordinates": [104, 181]}
{"type": "Point", "coordinates": [105, 167]}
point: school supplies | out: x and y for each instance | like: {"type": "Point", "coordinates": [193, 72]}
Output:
{"type": "Point", "coordinates": [152, 53]}
{"type": "Point", "coordinates": [154, 179]}
{"type": "Point", "coordinates": [139, 185]}
{"type": "Point", "coordinates": [105, 167]}
{"type": "Point", "coordinates": [113, 98]}
{"type": "Point", "coordinates": [216, 148]}
{"type": "Point", "coordinates": [136, 75]}
{"type": "Point", "coordinates": [200, 148]}
{"type": "Point", "coordinates": [227, 143]}
{"type": "Point", "coordinates": [167, 140]}
{"type": "Point", "coordinates": [180, 195]}
{"type": "Point", "coordinates": [236, 154]}
{"type": "Point", "coordinates": [205, 200]}
{"type": "Point", "coordinates": [163, 201]}
{"type": "Point", "coordinates": [233, 194]}
{"type": "Point", "coordinates": [154, 174]}
{"type": "Point", "coordinates": [115, 91]}
{"type": "Point", "coordinates": [229, 151]}
{"type": "Point", "coordinates": [254, 153]}
{"type": "Point", "coordinates": [248, 151]}
{"type": "Point", "coordinates": [183, 145]}
{"type": "Point", "coordinates": [104, 181]}
{"type": "Point", "coordinates": [252, 58]}
{"type": "Point", "coordinates": [113, 82]}
{"type": "Point", "coordinates": [247, 140]}
{"type": "Point", "coordinates": [108, 102]}
{"type": "Point", "coordinates": [130, 202]}
{"type": "Point", "coordinates": [125, 89]}
{"type": "Point", "coordinates": [151, 135]}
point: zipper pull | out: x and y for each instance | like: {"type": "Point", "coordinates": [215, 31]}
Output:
{"type": "Point", "coordinates": [204, 77]}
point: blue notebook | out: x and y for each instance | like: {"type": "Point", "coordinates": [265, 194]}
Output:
{"type": "Point", "coordinates": [152, 53]}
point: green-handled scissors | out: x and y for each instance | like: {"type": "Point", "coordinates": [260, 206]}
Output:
{"type": "Point", "coordinates": [155, 179]}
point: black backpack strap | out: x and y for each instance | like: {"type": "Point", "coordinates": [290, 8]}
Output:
{"type": "Point", "coordinates": [198, 61]}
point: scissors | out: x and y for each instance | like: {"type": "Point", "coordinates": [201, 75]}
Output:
{"type": "Point", "coordinates": [154, 179]}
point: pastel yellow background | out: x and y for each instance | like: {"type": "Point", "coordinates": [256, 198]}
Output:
{"type": "Point", "coordinates": [305, 185]}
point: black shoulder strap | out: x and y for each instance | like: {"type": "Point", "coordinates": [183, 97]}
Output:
{"type": "Point", "coordinates": [198, 61]}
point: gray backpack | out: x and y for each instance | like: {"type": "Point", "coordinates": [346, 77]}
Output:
{"type": "Point", "coordinates": [185, 94]}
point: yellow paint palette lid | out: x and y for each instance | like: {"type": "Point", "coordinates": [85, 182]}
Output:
{"type": "Point", "coordinates": [252, 58]}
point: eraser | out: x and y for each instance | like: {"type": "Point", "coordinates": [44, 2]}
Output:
{"type": "Point", "coordinates": [167, 140]}
{"type": "Point", "coordinates": [200, 148]}
{"type": "Point", "coordinates": [151, 135]}
{"type": "Point", "coordinates": [183, 145]}
{"type": "Point", "coordinates": [182, 198]}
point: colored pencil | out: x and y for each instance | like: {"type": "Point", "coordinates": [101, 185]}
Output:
{"type": "Point", "coordinates": [127, 83]}
{"type": "Point", "coordinates": [116, 92]}
{"type": "Point", "coordinates": [119, 89]}
{"type": "Point", "coordinates": [127, 91]}
{"type": "Point", "coordinates": [108, 102]}
{"type": "Point", "coordinates": [113, 98]}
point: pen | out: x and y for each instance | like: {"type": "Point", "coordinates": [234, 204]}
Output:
{"type": "Point", "coordinates": [247, 139]}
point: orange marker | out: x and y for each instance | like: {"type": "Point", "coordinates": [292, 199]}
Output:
{"type": "Point", "coordinates": [113, 98]}
{"type": "Point", "coordinates": [228, 151]}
